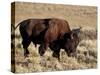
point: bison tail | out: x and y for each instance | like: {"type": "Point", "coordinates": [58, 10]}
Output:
{"type": "Point", "coordinates": [17, 26]}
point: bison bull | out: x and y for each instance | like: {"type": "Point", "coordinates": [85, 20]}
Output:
{"type": "Point", "coordinates": [43, 32]}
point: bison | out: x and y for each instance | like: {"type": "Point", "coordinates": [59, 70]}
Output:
{"type": "Point", "coordinates": [68, 44]}
{"type": "Point", "coordinates": [43, 32]}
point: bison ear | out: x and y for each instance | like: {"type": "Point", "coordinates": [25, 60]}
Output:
{"type": "Point", "coordinates": [77, 30]}
{"type": "Point", "coordinates": [75, 33]}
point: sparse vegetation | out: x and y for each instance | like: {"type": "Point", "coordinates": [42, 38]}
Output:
{"type": "Point", "coordinates": [76, 16]}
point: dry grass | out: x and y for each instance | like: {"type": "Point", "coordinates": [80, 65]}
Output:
{"type": "Point", "coordinates": [86, 17]}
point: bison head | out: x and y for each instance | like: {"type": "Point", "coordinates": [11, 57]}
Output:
{"type": "Point", "coordinates": [72, 42]}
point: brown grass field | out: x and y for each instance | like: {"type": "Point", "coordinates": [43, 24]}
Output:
{"type": "Point", "coordinates": [84, 16]}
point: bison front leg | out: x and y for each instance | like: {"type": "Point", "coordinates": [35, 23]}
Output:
{"type": "Point", "coordinates": [56, 50]}
{"type": "Point", "coordinates": [42, 49]}
{"type": "Point", "coordinates": [56, 54]}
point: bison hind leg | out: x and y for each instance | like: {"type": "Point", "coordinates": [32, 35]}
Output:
{"type": "Point", "coordinates": [25, 46]}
